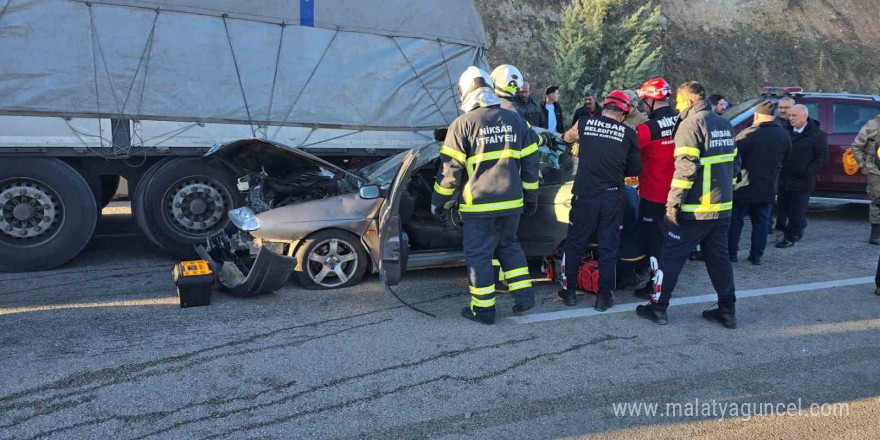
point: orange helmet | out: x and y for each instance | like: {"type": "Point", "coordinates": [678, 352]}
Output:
{"type": "Point", "coordinates": [654, 88]}
{"type": "Point", "coordinates": [620, 99]}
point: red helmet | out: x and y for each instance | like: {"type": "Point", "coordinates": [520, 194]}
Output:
{"type": "Point", "coordinates": [620, 99]}
{"type": "Point", "coordinates": [654, 88]}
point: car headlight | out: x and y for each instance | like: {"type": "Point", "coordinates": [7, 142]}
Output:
{"type": "Point", "coordinates": [245, 219]}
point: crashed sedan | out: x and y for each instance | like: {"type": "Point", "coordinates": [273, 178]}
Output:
{"type": "Point", "coordinates": [333, 226]}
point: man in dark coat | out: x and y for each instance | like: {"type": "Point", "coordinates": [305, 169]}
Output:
{"type": "Point", "coordinates": [531, 110]}
{"type": "Point", "coordinates": [809, 151]}
{"type": "Point", "coordinates": [590, 109]}
{"type": "Point", "coordinates": [763, 148]}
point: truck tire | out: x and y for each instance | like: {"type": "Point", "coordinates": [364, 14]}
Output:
{"type": "Point", "coordinates": [136, 195]}
{"type": "Point", "coordinates": [184, 202]}
{"type": "Point", "coordinates": [48, 213]}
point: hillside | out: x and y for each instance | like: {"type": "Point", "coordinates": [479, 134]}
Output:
{"type": "Point", "coordinates": [733, 46]}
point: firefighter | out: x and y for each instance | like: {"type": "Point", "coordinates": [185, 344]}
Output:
{"type": "Point", "coordinates": [492, 154]}
{"type": "Point", "coordinates": [699, 204]}
{"type": "Point", "coordinates": [507, 82]}
{"type": "Point", "coordinates": [658, 164]}
{"type": "Point", "coordinates": [608, 154]}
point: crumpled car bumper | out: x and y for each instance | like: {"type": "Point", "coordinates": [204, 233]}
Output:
{"type": "Point", "coordinates": [269, 272]}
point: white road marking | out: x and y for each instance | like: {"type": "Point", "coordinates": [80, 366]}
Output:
{"type": "Point", "coordinates": [580, 312]}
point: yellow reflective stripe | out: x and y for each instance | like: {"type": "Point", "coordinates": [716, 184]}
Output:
{"type": "Point", "coordinates": [686, 151]}
{"type": "Point", "coordinates": [734, 180]}
{"type": "Point", "coordinates": [482, 290]}
{"type": "Point", "coordinates": [493, 155]}
{"type": "Point", "coordinates": [510, 89]}
{"type": "Point", "coordinates": [455, 154]}
{"type": "Point", "coordinates": [707, 185]}
{"type": "Point", "coordinates": [489, 207]}
{"type": "Point", "coordinates": [721, 158]}
{"type": "Point", "coordinates": [467, 195]}
{"type": "Point", "coordinates": [530, 185]}
{"type": "Point", "coordinates": [485, 303]}
{"type": "Point", "coordinates": [682, 184]}
{"type": "Point", "coordinates": [496, 263]}
{"type": "Point", "coordinates": [517, 272]}
{"type": "Point", "coordinates": [519, 285]}
{"type": "Point", "coordinates": [714, 207]}
{"type": "Point", "coordinates": [443, 191]}
{"type": "Point", "coordinates": [528, 150]}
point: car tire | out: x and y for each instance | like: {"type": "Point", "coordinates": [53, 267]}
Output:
{"type": "Point", "coordinates": [185, 201]}
{"type": "Point", "coordinates": [320, 245]}
{"type": "Point", "coordinates": [56, 194]}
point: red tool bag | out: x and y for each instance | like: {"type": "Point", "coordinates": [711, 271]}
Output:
{"type": "Point", "coordinates": [588, 274]}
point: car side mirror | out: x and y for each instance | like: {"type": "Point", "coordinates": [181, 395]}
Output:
{"type": "Point", "coordinates": [370, 192]}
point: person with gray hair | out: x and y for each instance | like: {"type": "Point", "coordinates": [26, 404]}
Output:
{"type": "Point", "coordinates": [809, 152]}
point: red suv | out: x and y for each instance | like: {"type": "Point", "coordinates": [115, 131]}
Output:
{"type": "Point", "coordinates": [841, 115]}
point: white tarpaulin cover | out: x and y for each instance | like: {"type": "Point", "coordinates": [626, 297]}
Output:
{"type": "Point", "coordinates": [376, 65]}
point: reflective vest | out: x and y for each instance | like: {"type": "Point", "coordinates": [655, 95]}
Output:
{"type": "Point", "coordinates": [706, 164]}
{"type": "Point", "coordinates": [491, 151]}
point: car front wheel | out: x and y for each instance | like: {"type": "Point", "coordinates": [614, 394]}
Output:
{"type": "Point", "coordinates": [330, 259]}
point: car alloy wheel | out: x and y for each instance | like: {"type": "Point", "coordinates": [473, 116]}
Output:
{"type": "Point", "coordinates": [332, 262]}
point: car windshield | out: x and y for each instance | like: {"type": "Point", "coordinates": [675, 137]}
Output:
{"type": "Point", "coordinates": [740, 108]}
{"type": "Point", "coordinates": [383, 171]}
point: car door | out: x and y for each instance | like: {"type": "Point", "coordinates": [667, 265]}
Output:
{"type": "Point", "coordinates": [393, 241]}
{"type": "Point", "coordinates": [847, 116]}
{"type": "Point", "coordinates": [541, 234]}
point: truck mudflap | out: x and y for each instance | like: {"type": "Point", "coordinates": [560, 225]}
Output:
{"type": "Point", "coordinates": [269, 273]}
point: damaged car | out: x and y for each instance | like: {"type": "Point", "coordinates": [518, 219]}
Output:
{"type": "Point", "coordinates": [332, 226]}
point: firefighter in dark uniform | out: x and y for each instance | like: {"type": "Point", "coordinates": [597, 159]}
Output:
{"type": "Point", "coordinates": [609, 153]}
{"type": "Point", "coordinates": [658, 165]}
{"type": "Point", "coordinates": [493, 153]}
{"type": "Point", "coordinates": [699, 205]}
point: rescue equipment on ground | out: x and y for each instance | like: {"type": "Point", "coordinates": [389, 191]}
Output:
{"type": "Point", "coordinates": [588, 274]}
{"type": "Point", "coordinates": [194, 280]}
{"type": "Point", "coordinates": [657, 277]}
{"type": "Point", "coordinates": [850, 164]}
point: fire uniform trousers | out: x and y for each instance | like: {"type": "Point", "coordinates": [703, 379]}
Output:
{"type": "Point", "coordinates": [608, 153]}
{"type": "Point", "coordinates": [658, 165]}
{"type": "Point", "coordinates": [706, 163]}
{"type": "Point", "coordinates": [496, 150]}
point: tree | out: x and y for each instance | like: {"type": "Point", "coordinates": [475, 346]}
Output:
{"type": "Point", "coordinates": [604, 44]}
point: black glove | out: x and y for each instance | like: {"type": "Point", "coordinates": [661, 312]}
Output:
{"type": "Point", "coordinates": [531, 208]}
{"type": "Point", "coordinates": [437, 211]}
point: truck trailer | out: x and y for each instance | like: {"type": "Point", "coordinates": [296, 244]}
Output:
{"type": "Point", "coordinates": [91, 91]}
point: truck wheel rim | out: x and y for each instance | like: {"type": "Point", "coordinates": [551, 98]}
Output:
{"type": "Point", "coordinates": [31, 213]}
{"type": "Point", "coordinates": [196, 205]}
{"type": "Point", "coordinates": [332, 262]}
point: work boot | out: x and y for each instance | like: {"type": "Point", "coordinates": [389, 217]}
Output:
{"type": "Point", "coordinates": [785, 244]}
{"type": "Point", "coordinates": [696, 256]}
{"type": "Point", "coordinates": [875, 233]}
{"type": "Point", "coordinates": [569, 298]}
{"type": "Point", "coordinates": [482, 318]}
{"type": "Point", "coordinates": [755, 260]}
{"type": "Point", "coordinates": [653, 314]}
{"type": "Point", "coordinates": [603, 302]}
{"type": "Point", "coordinates": [522, 309]}
{"type": "Point", "coordinates": [725, 315]}
{"type": "Point", "coordinates": [646, 291]}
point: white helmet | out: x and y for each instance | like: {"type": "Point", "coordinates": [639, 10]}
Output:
{"type": "Point", "coordinates": [508, 79]}
{"type": "Point", "coordinates": [473, 78]}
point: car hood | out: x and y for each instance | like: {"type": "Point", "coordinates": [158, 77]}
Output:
{"type": "Point", "coordinates": [254, 153]}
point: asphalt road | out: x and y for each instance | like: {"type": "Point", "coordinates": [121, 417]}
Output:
{"type": "Point", "coordinates": [100, 349]}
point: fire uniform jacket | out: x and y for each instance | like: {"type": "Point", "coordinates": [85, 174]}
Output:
{"type": "Point", "coordinates": [706, 163]}
{"type": "Point", "coordinates": [496, 148]}
{"type": "Point", "coordinates": [608, 151]}
{"type": "Point", "coordinates": [657, 147]}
